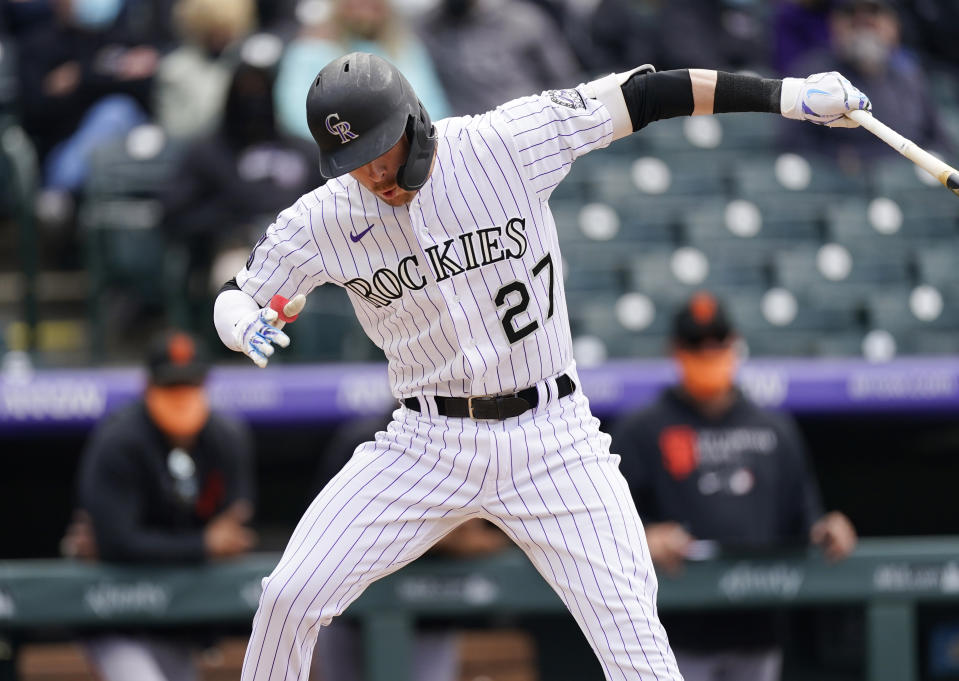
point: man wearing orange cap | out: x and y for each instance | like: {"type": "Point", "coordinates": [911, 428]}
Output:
{"type": "Point", "coordinates": [704, 462]}
{"type": "Point", "coordinates": [164, 479]}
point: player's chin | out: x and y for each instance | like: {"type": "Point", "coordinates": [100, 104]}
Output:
{"type": "Point", "coordinates": [397, 197]}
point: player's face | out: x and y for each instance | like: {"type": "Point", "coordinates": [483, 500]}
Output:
{"type": "Point", "coordinates": [379, 175]}
{"type": "Point", "coordinates": [708, 372]}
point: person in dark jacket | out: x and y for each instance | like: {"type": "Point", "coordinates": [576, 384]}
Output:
{"type": "Point", "coordinates": [708, 466]}
{"type": "Point", "coordinates": [84, 80]}
{"type": "Point", "coordinates": [232, 183]}
{"type": "Point", "coordinates": [164, 479]}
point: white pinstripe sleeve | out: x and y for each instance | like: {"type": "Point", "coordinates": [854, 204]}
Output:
{"type": "Point", "coordinates": [553, 129]}
{"type": "Point", "coordinates": [286, 259]}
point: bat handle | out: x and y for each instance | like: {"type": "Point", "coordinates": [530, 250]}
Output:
{"type": "Point", "coordinates": [279, 304]}
{"type": "Point", "coordinates": [936, 167]}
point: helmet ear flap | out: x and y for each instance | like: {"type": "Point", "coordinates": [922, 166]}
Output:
{"type": "Point", "coordinates": [421, 133]}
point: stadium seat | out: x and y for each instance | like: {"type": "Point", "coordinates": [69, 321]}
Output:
{"type": "Point", "coordinates": [664, 136]}
{"type": "Point", "coordinates": [576, 185]}
{"type": "Point", "coordinates": [779, 322]}
{"type": "Point", "coordinates": [120, 214]}
{"type": "Point", "coordinates": [754, 229]}
{"type": "Point", "coordinates": [329, 336]}
{"type": "Point", "coordinates": [601, 320]}
{"type": "Point", "coordinates": [674, 275]}
{"type": "Point", "coordinates": [140, 165]}
{"type": "Point", "coordinates": [850, 223]}
{"type": "Point", "coordinates": [913, 309]}
{"type": "Point", "coordinates": [938, 266]}
{"type": "Point", "coordinates": [781, 309]}
{"type": "Point", "coordinates": [8, 184]}
{"type": "Point", "coordinates": [883, 222]}
{"type": "Point", "coordinates": [930, 343]}
{"type": "Point", "coordinates": [816, 179]}
{"type": "Point", "coordinates": [834, 272]}
{"type": "Point", "coordinates": [691, 174]}
{"type": "Point", "coordinates": [748, 132]}
{"type": "Point", "coordinates": [639, 223]}
{"type": "Point", "coordinates": [328, 331]}
{"type": "Point", "coordinates": [587, 278]}
{"type": "Point", "coordinates": [8, 75]}
{"type": "Point", "coordinates": [840, 343]}
{"type": "Point", "coordinates": [897, 178]}
{"type": "Point", "coordinates": [932, 220]}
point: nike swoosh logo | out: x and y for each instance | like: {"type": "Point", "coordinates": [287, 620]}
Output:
{"type": "Point", "coordinates": [805, 108]}
{"type": "Point", "coordinates": [357, 237]}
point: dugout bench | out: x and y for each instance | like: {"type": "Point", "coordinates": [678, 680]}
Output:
{"type": "Point", "coordinates": [888, 577]}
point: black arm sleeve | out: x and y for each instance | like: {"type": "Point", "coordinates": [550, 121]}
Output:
{"type": "Point", "coordinates": [657, 96]}
{"type": "Point", "coordinates": [667, 94]}
{"type": "Point", "coordinates": [229, 286]}
{"type": "Point", "coordinates": [737, 92]}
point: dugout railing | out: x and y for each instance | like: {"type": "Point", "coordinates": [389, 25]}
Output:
{"type": "Point", "coordinates": [888, 577]}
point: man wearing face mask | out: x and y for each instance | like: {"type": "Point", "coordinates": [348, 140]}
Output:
{"type": "Point", "coordinates": [703, 462]}
{"type": "Point", "coordinates": [865, 42]}
{"type": "Point", "coordinates": [162, 480]}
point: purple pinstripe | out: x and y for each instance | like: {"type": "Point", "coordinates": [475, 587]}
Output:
{"type": "Point", "coordinates": [596, 532]}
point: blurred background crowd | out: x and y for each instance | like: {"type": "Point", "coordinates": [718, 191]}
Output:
{"type": "Point", "coordinates": [147, 143]}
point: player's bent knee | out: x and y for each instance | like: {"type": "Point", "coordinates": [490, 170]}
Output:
{"type": "Point", "coordinates": [282, 594]}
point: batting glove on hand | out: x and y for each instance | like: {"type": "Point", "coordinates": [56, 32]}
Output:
{"type": "Point", "coordinates": [823, 99]}
{"type": "Point", "coordinates": [256, 334]}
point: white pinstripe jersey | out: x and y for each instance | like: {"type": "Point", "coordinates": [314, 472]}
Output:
{"type": "Point", "coordinates": [462, 287]}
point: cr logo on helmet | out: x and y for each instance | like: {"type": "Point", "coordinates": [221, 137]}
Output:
{"type": "Point", "coordinates": [341, 128]}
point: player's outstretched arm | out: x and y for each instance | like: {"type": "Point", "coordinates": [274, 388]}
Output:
{"type": "Point", "coordinates": [245, 327]}
{"type": "Point", "coordinates": [639, 97]}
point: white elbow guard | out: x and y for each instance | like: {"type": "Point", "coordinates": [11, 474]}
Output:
{"type": "Point", "coordinates": [609, 91]}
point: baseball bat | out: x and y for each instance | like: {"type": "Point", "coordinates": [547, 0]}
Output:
{"type": "Point", "coordinates": [287, 310]}
{"type": "Point", "coordinates": [942, 171]}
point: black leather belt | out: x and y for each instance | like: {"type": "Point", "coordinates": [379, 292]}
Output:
{"type": "Point", "coordinates": [493, 407]}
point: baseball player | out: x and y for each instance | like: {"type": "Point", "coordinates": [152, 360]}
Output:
{"type": "Point", "coordinates": [443, 239]}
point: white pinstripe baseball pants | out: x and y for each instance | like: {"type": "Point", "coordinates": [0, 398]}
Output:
{"type": "Point", "coordinates": [546, 478]}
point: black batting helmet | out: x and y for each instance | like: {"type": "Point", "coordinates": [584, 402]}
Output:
{"type": "Point", "coordinates": [358, 107]}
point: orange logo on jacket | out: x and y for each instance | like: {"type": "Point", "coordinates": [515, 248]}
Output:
{"type": "Point", "coordinates": [680, 451]}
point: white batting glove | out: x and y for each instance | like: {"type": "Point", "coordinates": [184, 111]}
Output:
{"type": "Point", "coordinates": [823, 99]}
{"type": "Point", "coordinates": [256, 333]}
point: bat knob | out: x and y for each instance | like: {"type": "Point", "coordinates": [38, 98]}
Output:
{"type": "Point", "coordinates": [279, 303]}
{"type": "Point", "coordinates": [953, 183]}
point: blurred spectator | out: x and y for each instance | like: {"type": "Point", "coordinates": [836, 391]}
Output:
{"type": "Point", "coordinates": [799, 27]}
{"type": "Point", "coordinates": [162, 480]}
{"type": "Point", "coordinates": [706, 465]}
{"type": "Point", "coordinates": [491, 51]}
{"type": "Point", "coordinates": [276, 16]}
{"type": "Point", "coordinates": [711, 34]}
{"type": "Point", "coordinates": [83, 81]}
{"type": "Point", "coordinates": [606, 35]}
{"type": "Point", "coordinates": [338, 654]}
{"type": "Point", "coordinates": [935, 23]}
{"type": "Point", "coordinates": [19, 16]}
{"type": "Point", "coordinates": [865, 46]}
{"type": "Point", "coordinates": [192, 80]}
{"type": "Point", "coordinates": [232, 183]}
{"type": "Point", "coordinates": [348, 26]}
